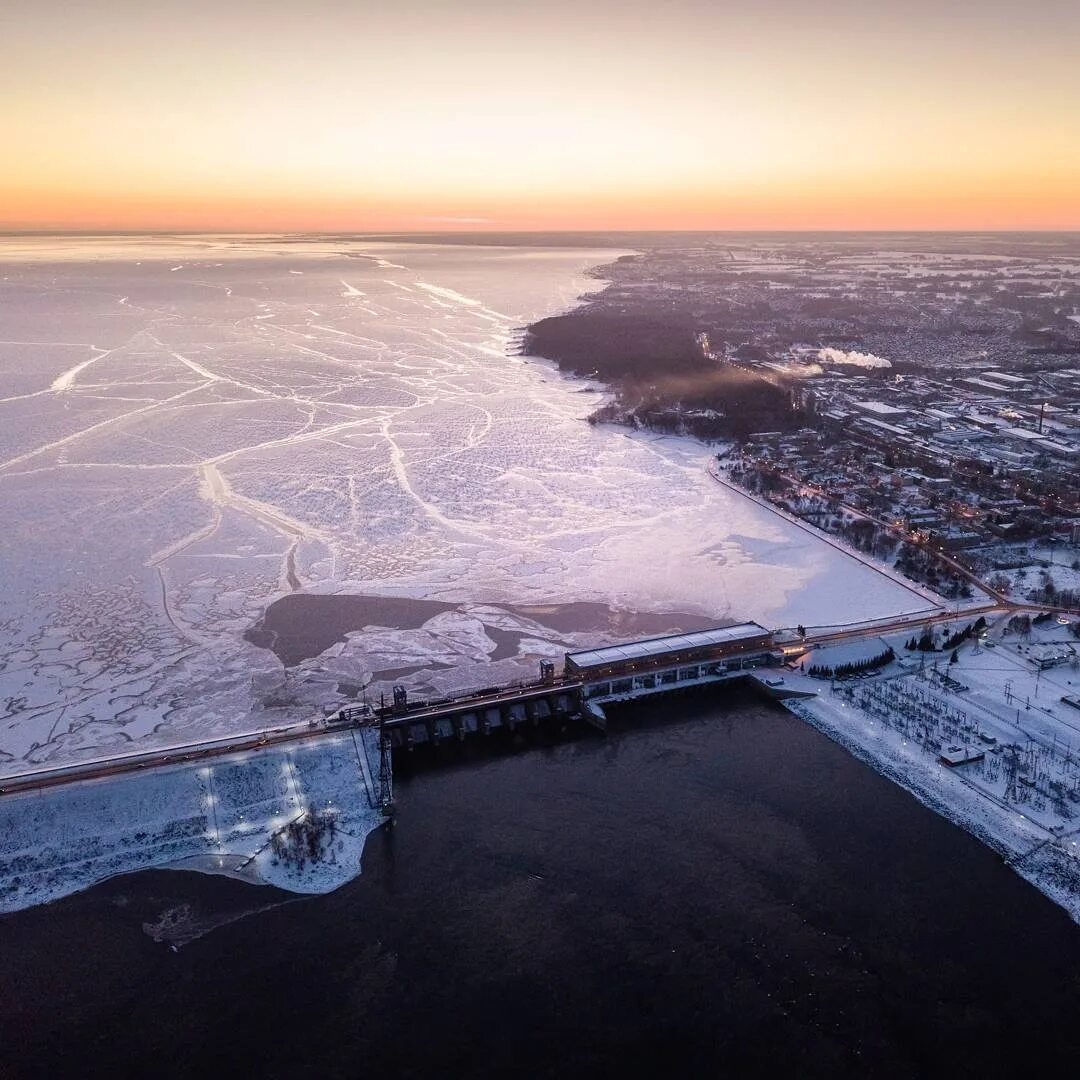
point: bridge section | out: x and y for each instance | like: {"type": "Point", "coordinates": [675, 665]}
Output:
{"type": "Point", "coordinates": [406, 725]}
{"type": "Point", "coordinates": [590, 679]}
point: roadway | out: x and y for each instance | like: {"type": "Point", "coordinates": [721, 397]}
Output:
{"type": "Point", "coordinates": [902, 623]}
{"type": "Point", "coordinates": [191, 753]}
{"type": "Point", "coordinates": [188, 754]}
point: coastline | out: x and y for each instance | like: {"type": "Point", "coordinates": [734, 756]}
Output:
{"type": "Point", "coordinates": [1031, 850]}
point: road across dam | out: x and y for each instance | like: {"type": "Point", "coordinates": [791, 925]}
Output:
{"type": "Point", "coordinates": [590, 680]}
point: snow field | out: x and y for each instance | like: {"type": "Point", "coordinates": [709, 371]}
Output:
{"type": "Point", "coordinates": [218, 422]}
{"type": "Point", "coordinates": [217, 817]}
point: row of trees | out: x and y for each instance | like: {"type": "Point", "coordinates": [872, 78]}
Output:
{"type": "Point", "coordinates": [925, 642]}
{"type": "Point", "coordinates": [922, 565]}
{"type": "Point", "coordinates": [853, 667]}
{"type": "Point", "coordinates": [960, 636]}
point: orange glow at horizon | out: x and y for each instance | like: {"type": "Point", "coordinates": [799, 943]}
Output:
{"type": "Point", "coordinates": [694, 114]}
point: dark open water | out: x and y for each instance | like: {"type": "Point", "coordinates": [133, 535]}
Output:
{"type": "Point", "coordinates": [722, 892]}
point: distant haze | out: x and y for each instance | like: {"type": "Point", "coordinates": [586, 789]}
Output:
{"type": "Point", "coordinates": [424, 115]}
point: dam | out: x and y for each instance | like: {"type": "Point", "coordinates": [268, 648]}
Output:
{"type": "Point", "coordinates": [590, 679]}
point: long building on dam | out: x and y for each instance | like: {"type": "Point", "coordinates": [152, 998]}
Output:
{"type": "Point", "coordinates": [663, 662]}
{"type": "Point", "coordinates": [590, 678]}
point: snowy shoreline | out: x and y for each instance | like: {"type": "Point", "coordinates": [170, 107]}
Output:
{"type": "Point", "coordinates": [258, 423]}
{"type": "Point", "coordinates": [214, 819]}
{"type": "Point", "coordinates": [1046, 860]}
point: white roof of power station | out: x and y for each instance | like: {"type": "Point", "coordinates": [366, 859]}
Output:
{"type": "Point", "coordinates": [675, 643]}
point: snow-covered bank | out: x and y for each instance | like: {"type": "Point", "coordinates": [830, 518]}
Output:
{"type": "Point", "coordinates": [218, 818]}
{"type": "Point", "coordinates": [932, 599]}
{"type": "Point", "coordinates": [1019, 794]}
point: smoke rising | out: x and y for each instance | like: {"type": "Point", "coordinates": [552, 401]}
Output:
{"type": "Point", "coordinates": [855, 359]}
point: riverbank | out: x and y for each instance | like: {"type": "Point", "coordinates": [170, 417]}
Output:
{"type": "Point", "coordinates": [220, 817]}
{"type": "Point", "coordinates": [716, 887]}
{"type": "Point", "coordinates": [980, 730]}
{"type": "Point", "coordinates": [933, 601]}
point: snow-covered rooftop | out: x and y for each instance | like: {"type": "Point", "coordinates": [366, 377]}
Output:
{"type": "Point", "coordinates": [1003, 377]}
{"type": "Point", "coordinates": [1023, 433]}
{"type": "Point", "coordinates": [674, 643]}
{"type": "Point", "coordinates": [879, 408]}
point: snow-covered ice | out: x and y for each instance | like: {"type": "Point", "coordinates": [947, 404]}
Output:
{"type": "Point", "coordinates": [191, 428]}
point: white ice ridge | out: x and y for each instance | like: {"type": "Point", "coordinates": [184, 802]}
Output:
{"type": "Point", "coordinates": [450, 294]}
{"type": "Point", "coordinates": [66, 380]}
{"type": "Point", "coordinates": [458, 298]}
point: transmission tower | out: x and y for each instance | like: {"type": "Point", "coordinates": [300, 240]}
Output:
{"type": "Point", "coordinates": [1010, 776]}
{"type": "Point", "coordinates": [386, 769]}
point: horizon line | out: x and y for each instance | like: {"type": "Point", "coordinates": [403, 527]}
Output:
{"type": "Point", "coordinates": [366, 233]}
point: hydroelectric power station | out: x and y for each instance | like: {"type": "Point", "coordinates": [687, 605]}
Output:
{"type": "Point", "coordinates": [590, 679]}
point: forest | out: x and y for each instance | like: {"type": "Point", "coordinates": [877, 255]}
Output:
{"type": "Point", "coordinates": [661, 379]}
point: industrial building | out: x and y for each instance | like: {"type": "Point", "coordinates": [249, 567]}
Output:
{"type": "Point", "coordinates": [744, 645]}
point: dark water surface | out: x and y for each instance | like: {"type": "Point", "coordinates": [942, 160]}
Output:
{"type": "Point", "coordinates": [713, 890]}
{"type": "Point", "coordinates": [302, 625]}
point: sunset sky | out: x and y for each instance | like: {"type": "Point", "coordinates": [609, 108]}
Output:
{"type": "Point", "coordinates": [573, 114]}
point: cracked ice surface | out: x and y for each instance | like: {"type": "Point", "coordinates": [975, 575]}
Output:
{"type": "Point", "coordinates": [191, 428]}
